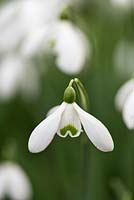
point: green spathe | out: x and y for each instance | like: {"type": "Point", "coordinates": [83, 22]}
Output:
{"type": "Point", "coordinates": [70, 128]}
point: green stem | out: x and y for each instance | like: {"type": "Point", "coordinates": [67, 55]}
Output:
{"type": "Point", "coordinates": [71, 83]}
{"type": "Point", "coordinates": [74, 86]}
{"type": "Point", "coordinates": [84, 101]}
{"type": "Point", "coordinates": [82, 93]}
{"type": "Point", "coordinates": [85, 167]}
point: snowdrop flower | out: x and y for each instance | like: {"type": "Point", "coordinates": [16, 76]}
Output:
{"type": "Point", "coordinates": [69, 42]}
{"type": "Point", "coordinates": [32, 37]}
{"type": "Point", "coordinates": [123, 56]}
{"type": "Point", "coordinates": [11, 29]}
{"type": "Point", "coordinates": [14, 183]}
{"type": "Point", "coordinates": [68, 119]}
{"type": "Point", "coordinates": [15, 75]}
{"type": "Point", "coordinates": [124, 102]}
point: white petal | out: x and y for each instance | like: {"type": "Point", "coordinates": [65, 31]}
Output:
{"type": "Point", "coordinates": [10, 27]}
{"type": "Point", "coordinates": [43, 134]}
{"type": "Point", "coordinates": [69, 122]}
{"type": "Point", "coordinates": [128, 111]}
{"type": "Point", "coordinates": [123, 93]}
{"type": "Point", "coordinates": [7, 12]}
{"type": "Point", "coordinates": [14, 182]}
{"type": "Point", "coordinates": [95, 130]}
{"type": "Point", "coordinates": [19, 186]}
{"type": "Point", "coordinates": [36, 42]}
{"type": "Point", "coordinates": [52, 110]}
{"type": "Point", "coordinates": [10, 73]}
{"type": "Point", "coordinates": [71, 48]}
{"type": "Point", "coordinates": [37, 13]}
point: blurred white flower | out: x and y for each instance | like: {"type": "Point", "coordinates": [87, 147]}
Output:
{"type": "Point", "coordinates": [71, 47]}
{"type": "Point", "coordinates": [14, 183]}
{"type": "Point", "coordinates": [17, 76]}
{"type": "Point", "coordinates": [124, 102]}
{"type": "Point", "coordinates": [123, 3]}
{"type": "Point", "coordinates": [29, 27]}
{"type": "Point", "coordinates": [124, 58]}
{"type": "Point", "coordinates": [68, 119]}
{"type": "Point", "coordinates": [11, 29]}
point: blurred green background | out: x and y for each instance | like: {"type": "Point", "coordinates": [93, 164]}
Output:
{"type": "Point", "coordinates": [58, 172]}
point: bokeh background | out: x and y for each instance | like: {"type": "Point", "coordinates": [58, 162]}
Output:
{"type": "Point", "coordinates": [59, 172]}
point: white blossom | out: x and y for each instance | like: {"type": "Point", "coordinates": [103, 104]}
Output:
{"type": "Point", "coordinates": [124, 102]}
{"type": "Point", "coordinates": [71, 47]}
{"type": "Point", "coordinates": [68, 119]}
{"type": "Point", "coordinates": [17, 76]}
{"type": "Point", "coordinates": [14, 183]}
{"type": "Point", "coordinates": [128, 111]}
{"type": "Point", "coordinates": [28, 27]}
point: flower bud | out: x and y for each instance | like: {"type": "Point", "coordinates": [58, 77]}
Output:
{"type": "Point", "coordinates": [69, 95]}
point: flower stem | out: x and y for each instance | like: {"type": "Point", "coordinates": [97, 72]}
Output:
{"type": "Point", "coordinates": [84, 101]}
{"type": "Point", "coordinates": [82, 93]}
{"type": "Point", "coordinates": [71, 83]}
{"type": "Point", "coordinates": [85, 167]}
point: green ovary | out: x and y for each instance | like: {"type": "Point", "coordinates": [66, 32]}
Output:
{"type": "Point", "coordinates": [70, 128]}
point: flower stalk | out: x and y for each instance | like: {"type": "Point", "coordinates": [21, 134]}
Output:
{"type": "Point", "coordinates": [76, 86]}
{"type": "Point", "coordinates": [82, 93]}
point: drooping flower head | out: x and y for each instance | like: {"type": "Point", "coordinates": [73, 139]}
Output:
{"type": "Point", "coordinates": [14, 183]}
{"type": "Point", "coordinates": [17, 76]}
{"type": "Point", "coordinates": [124, 102]}
{"type": "Point", "coordinates": [30, 38]}
{"type": "Point", "coordinates": [69, 119]}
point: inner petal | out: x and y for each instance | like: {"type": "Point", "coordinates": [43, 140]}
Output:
{"type": "Point", "coordinates": [70, 123]}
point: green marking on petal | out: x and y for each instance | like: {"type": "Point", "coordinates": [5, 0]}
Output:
{"type": "Point", "coordinates": [70, 128]}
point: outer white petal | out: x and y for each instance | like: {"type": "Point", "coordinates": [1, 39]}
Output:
{"type": "Point", "coordinates": [10, 72]}
{"type": "Point", "coordinates": [13, 31]}
{"type": "Point", "coordinates": [37, 13]}
{"type": "Point", "coordinates": [128, 111]}
{"type": "Point", "coordinates": [52, 110]}
{"type": "Point", "coordinates": [7, 13]}
{"type": "Point", "coordinates": [10, 29]}
{"type": "Point", "coordinates": [32, 45]}
{"type": "Point", "coordinates": [19, 187]}
{"type": "Point", "coordinates": [71, 47]}
{"type": "Point", "coordinates": [70, 118]}
{"type": "Point", "coordinates": [14, 182]}
{"type": "Point", "coordinates": [123, 94]}
{"type": "Point", "coordinates": [95, 130]}
{"type": "Point", "coordinates": [43, 134]}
